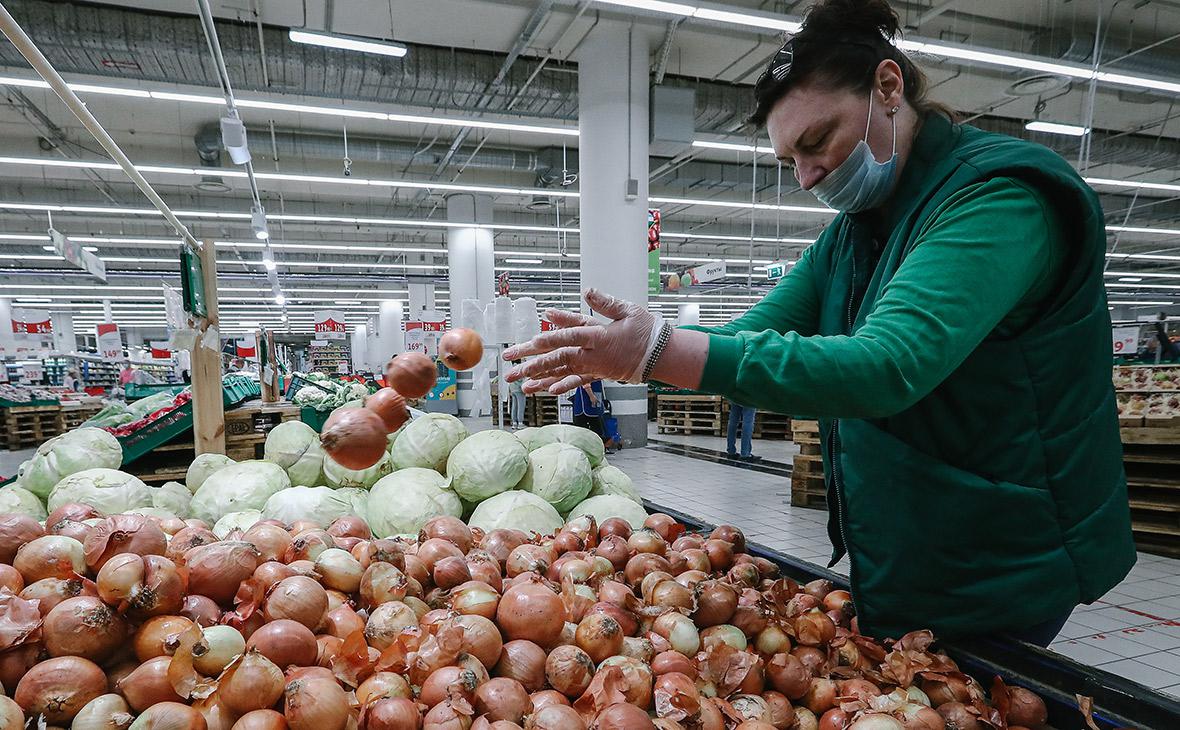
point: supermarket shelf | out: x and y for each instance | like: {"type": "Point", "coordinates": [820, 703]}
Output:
{"type": "Point", "coordinates": [1118, 702]}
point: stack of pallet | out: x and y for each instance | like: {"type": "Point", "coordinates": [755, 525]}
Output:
{"type": "Point", "coordinates": [769, 425]}
{"type": "Point", "coordinates": [1151, 456]}
{"type": "Point", "coordinates": [690, 414]}
{"type": "Point", "coordinates": [541, 409]}
{"type": "Point", "coordinates": [807, 472]}
{"type": "Point", "coordinates": [23, 427]}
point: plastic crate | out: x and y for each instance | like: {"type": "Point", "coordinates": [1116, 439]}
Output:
{"type": "Point", "coordinates": [136, 391]}
{"type": "Point", "coordinates": [298, 382]}
{"type": "Point", "coordinates": [238, 388]}
{"type": "Point", "coordinates": [313, 417]}
{"type": "Point", "coordinates": [158, 432]}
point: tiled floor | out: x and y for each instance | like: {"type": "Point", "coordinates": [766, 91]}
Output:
{"type": "Point", "coordinates": [1133, 631]}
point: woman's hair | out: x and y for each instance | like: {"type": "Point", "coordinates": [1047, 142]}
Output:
{"type": "Point", "coordinates": [840, 46]}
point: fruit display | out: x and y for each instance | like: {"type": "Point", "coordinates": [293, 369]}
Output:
{"type": "Point", "coordinates": [1147, 377]}
{"type": "Point", "coordinates": [133, 620]}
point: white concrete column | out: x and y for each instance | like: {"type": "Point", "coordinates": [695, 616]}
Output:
{"type": "Point", "coordinates": [7, 341]}
{"type": "Point", "coordinates": [360, 348]}
{"type": "Point", "coordinates": [688, 315]}
{"type": "Point", "coordinates": [613, 161]}
{"type": "Point", "coordinates": [471, 259]}
{"type": "Point", "coordinates": [390, 339]}
{"type": "Point", "coordinates": [64, 340]}
{"type": "Point", "coordinates": [106, 311]}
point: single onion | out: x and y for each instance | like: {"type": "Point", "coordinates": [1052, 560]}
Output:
{"type": "Point", "coordinates": [529, 558]}
{"type": "Point", "coordinates": [500, 542]}
{"type": "Point", "coordinates": [814, 628]}
{"type": "Point", "coordinates": [216, 648]}
{"type": "Point", "coordinates": [782, 714]}
{"type": "Point", "coordinates": [158, 636]}
{"type": "Point", "coordinates": [720, 553]}
{"type": "Point", "coordinates": [626, 620]}
{"type": "Point", "coordinates": [123, 534]}
{"type": "Point", "coordinates": [384, 685]}
{"type": "Point", "coordinates": [316, 704]}
{"type": "Point", "coordinates": [342, 622]}
{"type": "Point", "coordinates": [446, 716]}
{"type": "Point", "coordinates": [58, 688]}
{"type": "Point", "coordinates": [502, 699]}
{"type": "Point", "coordinates": [475, 598]}
{"type": "Point", "coordinates": [716, 603]}
{"type": "Point", "coordinates": [355, 438]}
{"type": "Point", "coordinates": [48, 592]}
{"type": "Point", "coordinates": [285, 643]}
{"type": "Point", "coordinates": [271, 541]}
{"type": "Point", "coordinates": [600, 636]}
{"type": "Point", "coordinates": [148, 685]}
{"type": "Point", "coordinates": [642, 564]}
{"type": "Point", "coordinates": [957, 716]}
{"type": "Point", "coordinates": [548, 698]}
{"type": "Point", "coordinates": [350, 526]}
{"type": "Point", "coordinates": [261, 720]}
{"type": "Point", "coordinates": [451, 571]}
{"type": "Point", "coordinates": [250, 683]}
{"type": "Point", "coordinates": [392, 714]}
{"type": "Point", "coordinates": [531, 611]}
{"type": "Point", "coordinates": [412, 374]}
{"type": "Point", "coordinates": [569, 670]}
{"type": "Point", "coordinates": [876, 721]}
{"type": "Point", "coordinates": [820, 696]}
{"type": "Point", "coordinates": [460, 349]}
{"type": "Point", "coordinates": [732, 535]}
{"type": "Point", "coordinates": [680, 632]}
{"type": "Point", "coordinates": [386, 622]}
{"type": "Point", "coordinates": [673, 661]}
{"type": "Point", "coordinates": [187, 539]}
{"type": "Point", "coordinates": [920, 717]}
{"type": "Point", "coordinates": [676, 696]}
{"type": "Point", "coordinates": [16, 530]}
{"type": "Point", "coordinates": [50, 556]}
{"type": "Point", "coordinates": [614, 548]}
{"type": "Point", "coordinates": [555, 717]}
{"type": "Point", "coordinates": [523, 661]}
{"type": "Point", "coordinates": [723, 634]}
{"type": "Point", "coordinates": [105, 712]}
{"type": "Point", "coordinates": [390, 407]}
{"type": "Point", "coordinates": [481, 639]}
{"type": "Point", "coordinates": [297, 598]}
{"type": "Point", "coordinates": [339, 570]}
{"type": "Point", "coordinates": [615, 526]}
{"type": "Point", "coordinates": [218, 569]}
{"type": "Point", "coordinates": [787, 674]}
{"type": "Point", "coordinates": [647, 541]}
{"type": "Point", "coordinates": [623, 716]}
{"type": "Point", "coordinates": [445, 682]}
{"type": "Point", "coordinates": [170, 716]}
{"type": "Point", "coordinates": [201, 610]}
{"type": "Point", "coordinates": [834, 719]}
{"type": "Point", "coordinates": [83, 627]}
{"type": "Point", "coordinates": [1026, 708]}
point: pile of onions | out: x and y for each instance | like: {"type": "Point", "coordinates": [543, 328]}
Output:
{"type": "Point", "coordinates": [597, 626]}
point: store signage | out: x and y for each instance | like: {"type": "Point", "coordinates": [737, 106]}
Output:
{"type": "Point", "coordinates": [697, 275]}
{"type": "Point", "coordinates": [1125, 340]}
{"type": "Point", "coordinates": [777, 270]}
{"type": "Point", "coordinates": [160, 350]}
{"type": "Point", "coordinates": [110, 343]}
{"type": "Point", "coordinates": [653, 250]}
{"type": "Point", "coordinates": [32, 371]}
{"type": "Point", "coordinates": [329, 324]}
{"type": "Point", "coordinates": [30, 322]}
{"type": "Point", "coordinates": [422, 336]}
{"type": "Point", "coordinates": [246, 347]}
{"type": "Point", "coordinates": [78, 256]}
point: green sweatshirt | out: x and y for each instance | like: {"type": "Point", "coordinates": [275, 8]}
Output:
{"type": "Point", "coordinates": [983, 265]}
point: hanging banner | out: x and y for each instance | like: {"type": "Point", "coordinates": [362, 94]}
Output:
{"type": "Point", "coordinates": [329, 324]}
{"type": "Point", "coordinates": [422, 336]}
{"type": "Point", "coordinates": [160, 350]}
{"type": "Point", "coordinates": [110, 343]}
{"type": "Point", "coordinates": [502, 284]}
{"type": "Point", "coordinates": [1125, 340]}
{"type": "Point", "coordinates": [246, 347]}
{"type": "Point", "coordinates": [32, 329]}
{"type": "Point", "coordinates": [77, 255]}
{"type": "Point", "coordinates": [696, 276]}
{"type": "Point", "coordinates": [653, 251]}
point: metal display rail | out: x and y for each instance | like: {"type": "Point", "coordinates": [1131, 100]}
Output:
{"type": "Point", "coordinates": [1118, 702]}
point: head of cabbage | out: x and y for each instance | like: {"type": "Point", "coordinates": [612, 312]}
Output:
{"type": "Point", "coordinates": [338, 476]}
{"type": "Point", "coordinates": [606, 506]}
{"type": "Point", "coordinates": [516, 510]}
{"type": "Point", "coordinates": [583, 438]}
{"type": "Point", "coordinates": [109, 491]}
{"type": "Point", "coordinates": [402, 502]}
{"type": "Point", "coordinates": [321, 505]}
{"type": "Point", "coordinates": [243, 521]}
{"type": "Point", "coordinates": [201, 467]}
{"type": "Point", "coordinates": [559, 474]}
{"type": "Point", "coordinates": [485, 464]}
{"type": "Point", "coordinates": [609, 479]}
{"type": "Point", "coordinates": [531, 437]}
{"type": "Point", "coordinates": [17, 501]}
{"type": "Point", "coordinates": [72, 452]}
{"type": "Point", "coordinates": [174, 497]}
{"type": "Point", "coordinates": [295, 446]}
{"type": "Point", "coordinates": [427, 441]}
{"type": "Point", "coordinates": [242, 486]}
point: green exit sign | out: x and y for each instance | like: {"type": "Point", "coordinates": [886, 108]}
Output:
{"type": "Point", "coordinates": [777, 270]}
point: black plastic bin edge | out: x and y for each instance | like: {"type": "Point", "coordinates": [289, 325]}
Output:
{"type": "Point", "coordinates": [1118, 702]}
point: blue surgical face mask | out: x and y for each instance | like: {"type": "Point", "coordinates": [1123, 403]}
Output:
{"type": "Point", "coordinates": [860, 182]}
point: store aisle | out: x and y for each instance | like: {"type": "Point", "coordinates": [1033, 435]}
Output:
{"type": "Point", "coordinates": [1133, 631]}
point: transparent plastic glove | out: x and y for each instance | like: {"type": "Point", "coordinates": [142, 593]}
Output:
{"type": "Point", "coordinates": [584, 350]}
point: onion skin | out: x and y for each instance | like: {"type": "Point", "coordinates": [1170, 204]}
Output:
{"type": "Point", "coordinates": [58, 688]}
{"type": "Point", "coordinates": [16, 530]}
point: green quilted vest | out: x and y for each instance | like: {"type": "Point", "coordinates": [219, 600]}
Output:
{"type": "Point", "coordinates": [999, 500]}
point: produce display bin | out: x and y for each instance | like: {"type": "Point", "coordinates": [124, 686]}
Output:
{"type": "Point", "coordinates": [136, 391]}
{"type": "Point", "coordinates": [313, 417]}
{"type": "Point", "coordinates": [1118, 702]}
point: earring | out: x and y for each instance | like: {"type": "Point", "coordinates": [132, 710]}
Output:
{"type": "Point", "coordinates": [894, 110]}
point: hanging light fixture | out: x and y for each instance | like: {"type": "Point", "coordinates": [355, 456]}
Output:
{"type": "Point", "coordinates": [258, 223]}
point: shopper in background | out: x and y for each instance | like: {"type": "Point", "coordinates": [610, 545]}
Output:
{"type": "Point", "coordinates": [72, 381]}
{"type": "Point", "coordinates": [516, 402]}
{"type": "Point", "coordinates": [127, 374]}
{"type": "Point", "coordinates": [743, 417]}
{"type": "Point", "coordinates": [974, 474]}
{"type": "Point", "coordinates": [1165, 348]}
{"type": "Point", "coordinates": [588, 406]}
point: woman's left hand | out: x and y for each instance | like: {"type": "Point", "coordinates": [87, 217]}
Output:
{"type": "Point", "coordinates": [584, 349]}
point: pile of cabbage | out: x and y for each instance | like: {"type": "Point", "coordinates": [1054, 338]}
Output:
{"type": "Point", "coordinates": [532, 480]}
{"type": "Point", "coordinates": [328, 394]}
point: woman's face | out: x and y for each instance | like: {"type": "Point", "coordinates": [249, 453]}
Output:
{"type": "Point", "coordinates": [814, 128]}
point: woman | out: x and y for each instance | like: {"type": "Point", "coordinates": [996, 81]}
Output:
{"type": "Point", "coordinates": [974, 474]}
{"type": "Point", "coordinates": [516, 402]}
{"type": "Point", "coordinates": [589, 408]}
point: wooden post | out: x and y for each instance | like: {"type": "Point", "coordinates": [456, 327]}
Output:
{"type": "Point", "coordinates": [208, 409]}
{"type": "Point", "coordinates": [268, 371]}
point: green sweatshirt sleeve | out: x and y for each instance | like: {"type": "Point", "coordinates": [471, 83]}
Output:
{"type": "Point", "coordinates": [791, 306]}
{"type": "Point", "coordinates": [965, 276]}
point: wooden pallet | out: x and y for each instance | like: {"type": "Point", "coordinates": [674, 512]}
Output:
{"type": "Point", "coordinates": [540, 410]}
{"type": "Point", "coordinates": [807, 470]}
{"type": "Point", "coordinates": [23, 427]}
{"type": "Point", "coordinates": [1151, 457]}
{"type": "Point", "coordinates": [808, 490]}
{"type": "Point", "coordinates": [769, 425]}
{"type": "Point", "coordinates": [691, 414]}
{"type": "Point", "coordinates": [72, 418]}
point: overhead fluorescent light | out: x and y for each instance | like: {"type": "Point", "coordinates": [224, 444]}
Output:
{"type": "Point", "coordinates": [522, 261]}
{"type": "Point", "coordinates": [33, 300]}
{"type": "Point", "coordinates": [1107, 182]}
{"type": "Point", "coordinates": [1130, 278]}
{"type": "Point", "coordinates": [1071, 130]}
{"type": "Point", "coordinates": [656, 6]}
{"type": "Point", "coordinates": [733, 146]}
{"type": "Point", "coordinates": [1143, 303]}
{"type": "Point", "coordinates": [258, 223]}
{"type": "Point", "coordinates": [347, 43]}
{"type": "Point", "coordinates": [280, 299]}
{"type": "Point", "coordinates": [764, 22]}
{"type": "Point", "coordinates": [51, 248]}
